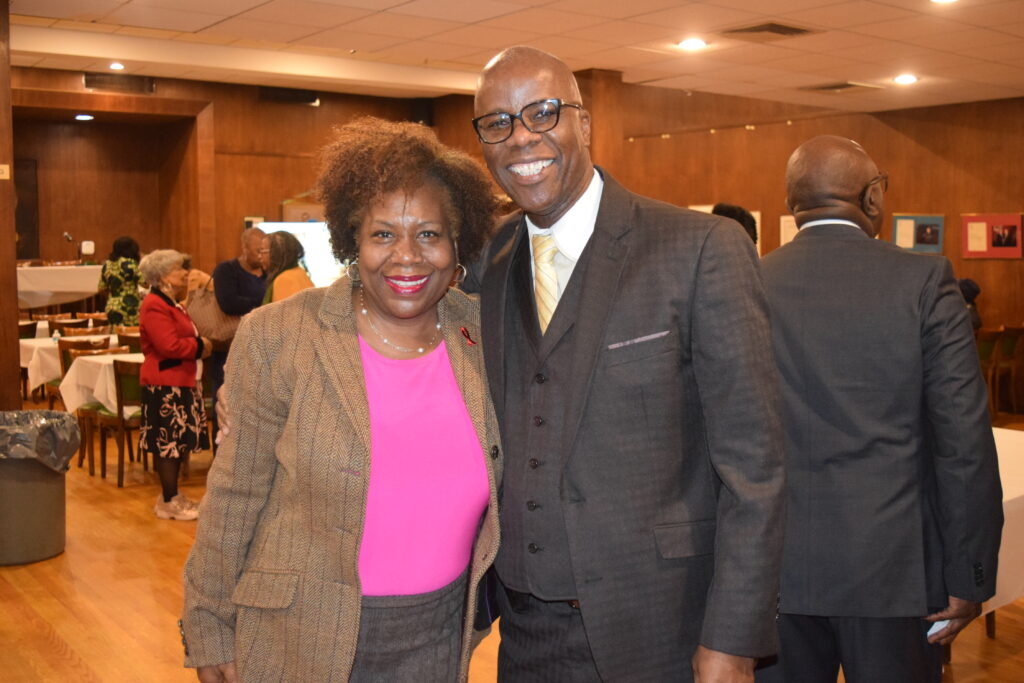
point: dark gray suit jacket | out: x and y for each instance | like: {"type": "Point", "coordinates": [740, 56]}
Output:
{"type": "Point", "coordinates": [893, 496]}
{"type": "Point", "coordinates": [671, 457]}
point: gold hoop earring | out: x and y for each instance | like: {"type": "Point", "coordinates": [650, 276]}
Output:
{"type": "Point", "coordinates": [459, 277]}
{"type": "Point", "coordinates": [352, 270]}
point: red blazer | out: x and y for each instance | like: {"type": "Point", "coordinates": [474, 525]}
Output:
{"type": "Point", "coordinates": [169, 341]}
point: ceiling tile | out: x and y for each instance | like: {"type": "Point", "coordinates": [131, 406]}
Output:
{"type": "Point", "coordinates": [425, 51]}
{"type": "Point", "coordinates": [158, 33]}
{"type": "Point", "coordinates": [204, 38]}
{"type": "Point", "coordinates": [626, 33]}
{"type": "Point", "coordinates": [224, 7]}
{"type": "Point", "coordinates": [482, 36]}
{"type": "Point", "coordinates": [158, 17]}
{"type": "Point", "coordinates": [402, 25]}
{"type": "Point", "coordinates": [808, 63]}
{"type": "Point", "coordinates": [699, 18]}
{"type": "Point", "coordinates": [544, 20]}
{"type": "Point", "coordinates": [993, 15]}
{"type": "Point", "coordinates": [248, 29]}
{"type": "Point", "coordinates": [457, 10]}
{"type": "Point", "coordinates": [912, 27]}
{"type": "Point", "coordinates": [375, 5]}
{"type": "Point", "coordinates": [846, 14]}
{"type": "Point", "coordinates": [341, 38]}
{"type": "Point", "coordinates": [79, 10]}
{"type": "Point", "coordinates": [828, 40]}
{"type": "Point", "coordinates": [879, 51]}
{"type": "Point", "coordinates": [775, 7]}
{"type": "Point", "coordinates": [260, 44]}
{"type": "Point", "coordinates": [969, 39]}
{"type": "Point", "coordinates": [1016, 29]}
{"type": "Point", "coordinates": [612, 9]}
{"type": "Point", "coordinates": [304, 13]}
{"type": "Point", "coordinates": [758, 54]}
{"type": "Point", "coordinates": [619, 58]}
{"type": "Point", "coordinates": [792, 80]}
{"type": "Point", "coordinates": [730, 88]}
{"type": "Point", "coordinates": [92, 26]}
{"type": "Point", "coordinates": [682, 82]}
{"type": "Point", "coordinates": [567, 47]}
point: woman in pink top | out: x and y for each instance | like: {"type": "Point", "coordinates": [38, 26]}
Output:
{"type": "Point", "coordinates": [352, 510]}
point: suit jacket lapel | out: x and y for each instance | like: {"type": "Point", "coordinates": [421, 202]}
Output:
{"type": "Point", "coordinates": [493, 299]}
{"type": "Point", "coordinates": [608, 251]}
{"type": "Point", "coordinates": [337, 347]}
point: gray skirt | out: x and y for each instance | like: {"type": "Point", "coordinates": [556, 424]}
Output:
{"type": "Point", "coordinates": [411, 637]}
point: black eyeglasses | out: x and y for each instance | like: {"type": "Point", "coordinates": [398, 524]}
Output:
{"type": "Point", "coordinates": [882, 180]}
{"type": "Point", "coordinates": [536, 117]}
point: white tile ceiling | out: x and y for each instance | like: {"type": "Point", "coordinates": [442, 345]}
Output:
{"type": "Point", "coordinates": [970, 50]}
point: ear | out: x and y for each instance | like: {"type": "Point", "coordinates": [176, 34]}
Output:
{"type": "Point", "coordinates": [873, 204]}
{"type": "Point", "coordinates": [585, 126]}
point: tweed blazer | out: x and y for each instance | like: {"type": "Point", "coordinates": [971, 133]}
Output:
{"type": "Point", "coordinates": [272, 582]}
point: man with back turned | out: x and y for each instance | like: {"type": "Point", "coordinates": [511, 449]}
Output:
{"type": "Point", "coordinates": [893, 502]}
{"type": "Point", "coordinates": [629, 356]}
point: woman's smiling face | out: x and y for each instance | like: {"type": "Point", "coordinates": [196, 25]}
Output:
{"type": "Point", "coordinates": [406, 253]}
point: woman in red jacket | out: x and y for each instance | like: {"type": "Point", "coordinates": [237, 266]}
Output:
{"type": "Point", "coordinates": [173, 417]}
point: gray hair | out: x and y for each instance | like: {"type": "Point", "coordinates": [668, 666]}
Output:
{"type": "Point", "coordinates": [155, 265]}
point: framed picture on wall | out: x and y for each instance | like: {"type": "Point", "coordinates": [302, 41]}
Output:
{"type": "Point", "coordinates": [918, 232]}
{"type": "Point", "coordinates": [991, 235]}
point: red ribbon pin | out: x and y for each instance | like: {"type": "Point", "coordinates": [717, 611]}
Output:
{"type": "Point", "coordinates": [465, 333]}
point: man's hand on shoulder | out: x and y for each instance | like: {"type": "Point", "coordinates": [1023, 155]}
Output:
{"type": "Point", "coordinates": [960, 613]}
{"type": "Point", "coordinates": [711, 666]}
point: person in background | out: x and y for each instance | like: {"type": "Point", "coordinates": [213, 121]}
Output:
{"type": "Point", "coordinates": [173, 416]}
{"type": "Point", "coordinates": [197, 279]}
{"type": "Point", "coordinates": [740, 215]}
{"type": "Point", "coordinates": [239, 285]}
{"type": "Point", "coordinates": [352, 509]}
{"type": "Point", "coordinates": [971, 290]}
{"type": "Point", "coordinates": [893, 501]}
{"type": "Point", "coordinates": [285, 273]}
{"type": "Point", "coordinates": [119, 277]}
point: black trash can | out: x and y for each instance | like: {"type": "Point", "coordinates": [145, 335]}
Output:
{"type": "Point", "coordinates": [35, 449]}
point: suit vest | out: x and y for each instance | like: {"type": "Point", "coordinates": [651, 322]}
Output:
{"type": "Point", "coordinates": [534, 554]}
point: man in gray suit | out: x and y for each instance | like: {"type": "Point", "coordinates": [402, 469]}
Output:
{"type": "Point", "coordinates": [893, 505]}
{"type": "Point", "coordinates": [629, 356]}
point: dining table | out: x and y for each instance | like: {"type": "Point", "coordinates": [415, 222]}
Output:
{"type": "Point", "coordinates": [91, 379]}
{"type": "Point", "coordinates": [40, 286]}
{"type": "Point", "coordinates": [42, 359]}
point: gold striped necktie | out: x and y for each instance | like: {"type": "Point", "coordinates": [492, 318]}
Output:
{"type": "Point", "coordinates": [545, 279]}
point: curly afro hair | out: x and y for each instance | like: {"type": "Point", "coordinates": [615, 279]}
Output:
{"type": "Point", "coordinates": [369, 158]}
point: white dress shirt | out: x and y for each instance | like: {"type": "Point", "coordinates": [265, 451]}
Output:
{"type": "Point", "coordinates": [572, 231]}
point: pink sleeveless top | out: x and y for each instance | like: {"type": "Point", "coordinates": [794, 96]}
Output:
{"type": "Point", "coordinates": [428, 478]}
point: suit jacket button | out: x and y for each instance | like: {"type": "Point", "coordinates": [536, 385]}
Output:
{"type": "Point", "coordinates": [531, 505]}
{"type": "Point", "coordinates": [538, 420]}
{"type": "Point", "coordinates": [494, 452]}
{"type": "Point", "coordinates": [539, 378]}
{"type": "Point", "coordinates": [534, 463]}
{"type": "Point", "coordinates": [533, 548]}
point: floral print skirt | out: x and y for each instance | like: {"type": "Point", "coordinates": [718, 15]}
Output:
{"type": "Point", "coordinates": [173, 421]}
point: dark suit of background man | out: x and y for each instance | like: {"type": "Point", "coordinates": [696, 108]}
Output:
{"type": "Point", "coordinates": [641, 513]}
{"type": "Point", "coordinates": [893, 505]}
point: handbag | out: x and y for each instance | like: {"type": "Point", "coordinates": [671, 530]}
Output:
{"type": "Point", "coordinates": [209, 319]}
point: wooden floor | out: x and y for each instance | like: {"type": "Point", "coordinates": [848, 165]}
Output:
{"type": "Point", "coordinates": [106, 609]}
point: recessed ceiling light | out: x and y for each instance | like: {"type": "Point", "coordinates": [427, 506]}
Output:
{"type": "Point", "coordinates": [692, 44]}
{"type": "Point", "coordinates": [116, 66]}
{"type": "Point", "coordinates": [943, 2]}
{"type": "Point", "coordinates": [84, 117]}
{"type": "Point", "coordinates": [905, 79]}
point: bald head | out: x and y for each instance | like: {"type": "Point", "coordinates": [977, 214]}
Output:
{"type": "Point", "coordinates": [545, 172]}
{"type": "Point", "coordinates": [827, 176]}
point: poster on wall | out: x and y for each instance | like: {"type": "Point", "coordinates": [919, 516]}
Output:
{"type": "Point", "coordinates": [918, 232]}
{"type": "Point", "coordinates": [991, 235]}
{"type": "Point", "coordinates": [787, 229]}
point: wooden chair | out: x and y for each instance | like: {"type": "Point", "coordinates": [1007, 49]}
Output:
{"type": "Point", "coordinates": [126, 329]}
{"type": "Point", "coordinates": [96, 318]}
{"type": "Point", "coordinates": [85, 331]}
{"type": "Point", "coordinates": [87, 412]}
{"type": "Point", "coordinates": [26, 330]}
{"type": "Point", "coordinates": [61, 325]}
{"type": "Point", "coordinates": [1009, 363]}
{"type": "Point", "coordinates": [127, 418]}
{"type": "Point", "coordinates": [132, 341]}
{"type": "Point", "coordinates": [51, 316]}
{"type": "Point", "coordinates": [988, 354]}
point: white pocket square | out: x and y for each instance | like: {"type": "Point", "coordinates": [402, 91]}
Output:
{"type": "Point", "coordinates": [639, 340]}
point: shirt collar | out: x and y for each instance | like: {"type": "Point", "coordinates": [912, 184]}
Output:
{"type": "Point", "coordinates": [573, 230]}
{"type": "Point", "coordinates": [830, 221]}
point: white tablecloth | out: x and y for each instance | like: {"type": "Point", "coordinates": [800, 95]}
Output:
{"type": "Point", "coordinates": [42, 360]}
{"type": "Point", "coordinates": [1010, 582]}
{"type": "Point", "coordinates": [91, 378]}
{"type": "Point", "coordinates": [51, 285]}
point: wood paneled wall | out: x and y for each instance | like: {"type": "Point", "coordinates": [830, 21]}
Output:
{"type": "Point", "coordinates": [10, 384]}
{"type": "Point", "coordinates": [948, 160]}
